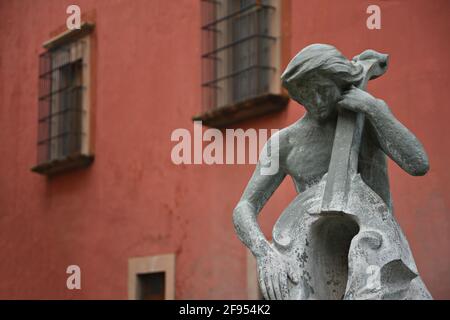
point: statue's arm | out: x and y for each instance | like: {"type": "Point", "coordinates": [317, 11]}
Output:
{"type": "Point", "coordinates": [258, 191]}
{"type": "Point", "coordinates": [394, 138]}
{"type": "Point", "coordinates": [400, 144]}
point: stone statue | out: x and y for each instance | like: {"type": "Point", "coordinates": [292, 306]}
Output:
{"type": "Point", "coordinates": [338, 239]}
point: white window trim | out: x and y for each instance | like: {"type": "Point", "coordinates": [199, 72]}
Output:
{"type": "Point", "coordinates": [152, 264]}
{"type": "Point", "coordinates": [72, 36]}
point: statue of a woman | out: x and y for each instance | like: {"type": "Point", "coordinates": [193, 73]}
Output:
{"type": "Point", "coordinates": [359, 251]}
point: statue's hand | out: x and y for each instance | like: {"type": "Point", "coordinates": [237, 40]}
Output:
{"type": "Point", "coordinates": [274, 270]}
{"type": "Point", "coordinates": [358, 100]}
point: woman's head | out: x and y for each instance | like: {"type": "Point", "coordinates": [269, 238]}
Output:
{"type": "Point", "coordinates": [316, 77]}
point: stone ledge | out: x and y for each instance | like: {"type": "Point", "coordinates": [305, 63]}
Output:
{"type": "Point", "coordinates": [58, 166]}
{"type": "Point", "coordinates": [258, 106]}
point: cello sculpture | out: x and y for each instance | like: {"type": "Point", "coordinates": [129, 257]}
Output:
{"type": "Point", "coordinates": [338, 239]}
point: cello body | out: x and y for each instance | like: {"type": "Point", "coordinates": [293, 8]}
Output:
{"type": "Point", "coordinates": [359, 253]}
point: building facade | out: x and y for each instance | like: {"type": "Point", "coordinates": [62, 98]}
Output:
{"type": "Point", "coordinates": [86, 173]}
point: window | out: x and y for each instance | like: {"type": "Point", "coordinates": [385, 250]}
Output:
{"type": "Point", "coordinates": [151, 286]}
{"type": "Point", "coordinates": [152, 278]}
{"type": "Point", "coordinates": [63, 103]}
{"type": "Point", "coordinates": [240, 60]}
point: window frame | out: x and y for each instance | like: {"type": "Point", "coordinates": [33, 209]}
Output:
{"type": "Point", "coordinates": [84, 155]}
{"type": "Point", "coordinates": [152, 264]}
{"type": "Point", "coordinates": [226, 111]}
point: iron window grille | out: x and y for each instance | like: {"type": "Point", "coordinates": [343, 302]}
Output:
{"type": "Point", "coordinates": [62, 110]}
{"type": "Point", "coordinates": [238, 49]}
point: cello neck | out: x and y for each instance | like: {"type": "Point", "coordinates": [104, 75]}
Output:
{"type": "Point", "coordinates": [344, 156]}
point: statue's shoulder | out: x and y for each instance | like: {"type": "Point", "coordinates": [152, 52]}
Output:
{"type": "Point", "coordinates": [298, 132]}
{"type": "Point", "coordinates": [285, 136]}
{"type": "Point", "coordinates": [292, 138]}
{"type": "Point", "coordinates": [288, 137]}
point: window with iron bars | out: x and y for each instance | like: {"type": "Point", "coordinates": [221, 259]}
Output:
{"type": "Point", "coordinates": [240, 60]}
{"type": "Point", "coordinates": [63, 105]}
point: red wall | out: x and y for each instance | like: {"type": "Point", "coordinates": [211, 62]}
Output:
{"type": "Point", "coordinates": [134, 202]}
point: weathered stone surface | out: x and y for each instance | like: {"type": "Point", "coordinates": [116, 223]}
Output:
{"type": "Point", "coordinates": [338, 239]}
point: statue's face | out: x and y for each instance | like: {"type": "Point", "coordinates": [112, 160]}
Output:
{"type": "Point", "coordinates": [318, 95]}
